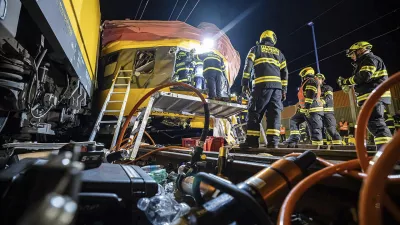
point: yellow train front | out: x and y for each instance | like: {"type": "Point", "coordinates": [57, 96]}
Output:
{"type": "Point", "coordinates": [150, 61]}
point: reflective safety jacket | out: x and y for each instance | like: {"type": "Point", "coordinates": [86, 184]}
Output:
{"type": "Point", "coordinates": [389, 120]}
{"type": "Point", "coordinates": [183, 66]}
{"type": "Point", "coordinates": [270, 70]}
{"type": "Point", "coordinates": [397, 121]}
{"type": "Point", "coordinates": [198, 67]}
{"type": "Point", "coordinates": [327, 98]}
{"type": "Point", "coordinates": [369, 73]}
{"type": "Point", "coordinates": [211, 62]}
{"type": "Point", "coordinates": [309, 95]}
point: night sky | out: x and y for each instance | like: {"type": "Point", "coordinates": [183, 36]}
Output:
{"type": "Point", "coordinates": [288, 19]}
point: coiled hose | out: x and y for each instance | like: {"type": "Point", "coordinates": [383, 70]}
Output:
{"type": "Point", "coordinates": [371, 192]}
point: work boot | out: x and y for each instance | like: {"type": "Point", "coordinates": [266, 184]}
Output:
{"type": "Point", "coordinates": [290, 143]}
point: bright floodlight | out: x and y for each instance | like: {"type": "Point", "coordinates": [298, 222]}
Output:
{"type": "Point", "coordinates": [208, 43]}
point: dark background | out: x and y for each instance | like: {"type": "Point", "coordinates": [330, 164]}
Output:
{"type": "Point", "coordinates": [287, 18]}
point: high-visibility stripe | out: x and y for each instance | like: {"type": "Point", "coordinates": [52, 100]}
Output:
{"type": "Point", "coordinates": [265, 79]}
{"type": "Point", "coordinates": [336, 142]}
{"type": "Point", "coordinates": [199, 63]}
{"type": "Point", "coordinates": [317, 142]}
{"type": "Point", "coordinates": [180, 69]}
{"type": "Point", "coordinates": [323, 101]}
{"type": "Point", "coordinates": [380, 73]}
{"type": "Point", "coordinates": [391, 127]}
{"type": "Point", "coordinates": [308, 87]}
{"type": "Point", "coordinates": [212, 68]}
{"type": "Point", "coordinates": [267, 60]}
{"type": "Point", "coordinates": [246, 75]}
{"type": "Point", "coordinates": [303, 110]}
{"type": "Point", "coordinates": [253, 133]}
{"type": "Point", "coordinates": [210, 57]}
{"type": "Point", "coordinates": [328, 109]}
{"type": "Point", "coordinates": [182, 80]}
{"type": "Point", "coordinates": [273, 132]}
{"type": "Point", "coordinates": [283, 65]}
{"type": "Point", "coordinates": [308, 100]}
{"type": "Point", "coordinates": [390, 119]}
{"type": "Point", "coordinates": [328, 93]}
{"type": "Point", "coordinates": [296, 132]}
{"type": "Point", "coordinates": [284, 82]}
{"type": "Point", "coordinates": [382, 140]}
{"type": "Point", "coordinates": [397, 125]}
{"type": "Point", "coordinates": [251, 56]}
{"type": "Point", "coordinates": [365, 96]}
{"type": "Point", "coordinates": [317, 109]}
{"type": "Point", "coordinates": [371, 69]}
{"type": "Point", "coordinates": [351, 80]}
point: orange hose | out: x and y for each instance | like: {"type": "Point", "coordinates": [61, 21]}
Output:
{"type": "Point", "coordinates": [147, 95]}
{"type": "Point", "coordinates": [151, 139]}
{"type": "Point", "coordinates": [156, 150]}
{"type": "Point", "coordinates": [365, 113]}
{"type": "Point", "coordinates": [289, 204]}
{"type": "Point", "coordinates": [374, 185]}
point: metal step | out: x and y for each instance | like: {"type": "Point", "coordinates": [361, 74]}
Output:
{"type": "Point", "coordinates": [115, 101]}
{"type": "Point", "coordinates": [112, 110]}
{"type": "Point", "coordinates": [109, 121]}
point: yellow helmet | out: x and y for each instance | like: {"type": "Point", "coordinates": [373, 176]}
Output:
{"type": "Point", "coordinates": [358, 45]}
{"type": "Point", "coordinates": [268, 34]}
{"type": "Point", "coordinates": [320, 76]}
{"type": "Point", "coordinates": [307, 71]}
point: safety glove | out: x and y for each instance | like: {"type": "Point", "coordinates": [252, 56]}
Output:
{"type": "Point", "coordinates": [283, 96]}
{"type": "Point", "coordinates": [340, 81]}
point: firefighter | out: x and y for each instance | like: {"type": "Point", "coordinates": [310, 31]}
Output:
{"type": "Point", "coordinates": [369, 72]}
{"type": "Point", "coordinates": [310, 109]}
{"type": "Point", "coordinates": [198, 78]}
{"type": "Point", "coordinates": [389, 120]}
{"type": "Point", "coordinates": [329, 121]}
{"type": "Point", "coordinates": [269, 86]}
{"type": "Point", "coordinates": [183, 67]}
{"type": "Point", "coordinates": [214, 74]}
{"type": "Point", "coordinates": [283, 133]}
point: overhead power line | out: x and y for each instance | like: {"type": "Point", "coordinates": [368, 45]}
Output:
{"type": "Point", "coordinates": [138, 9]}
{"type": "Point", "coordinates": [337, 53]}
{"type": "Point", "coordinates": [182, 9]}
{"type": "Point", "coordinates": [305, 24]}
{"type": "Point", "coordinates": [170, 15]}
{"type": "Point", "coordinates": [192, 10]}
{"type": "Point", "coordinates": [353, 30]}
{"type": "Point", "coordinates": [144, 9]}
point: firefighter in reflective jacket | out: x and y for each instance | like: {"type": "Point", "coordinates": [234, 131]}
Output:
{"type": "Point", "coordinates": [269, 88]}
{"type": "Point", "coordinates": [389, 120]}
{"type": "Point", "coordinates": [198, 78]}
{"type": "Point", "coordinates": [183, 67]}
{"type": "Point", "coordinates": [369, 72]}
{"type": "Point", "coordinates": [214, 73]}
{"type": "Point", "coordinates": [328, 119]}
{"type": "Point", "coordinates": [310, 109]}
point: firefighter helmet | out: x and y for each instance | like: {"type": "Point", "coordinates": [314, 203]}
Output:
{"type": "Point", "coordinates": [307, 71]}
{"type": "Point", "coordinates": [358, 45]}
{"type": "Point", "coordinates": [268, 35]}
{"type": "Point", "coordinates": [320, 76]}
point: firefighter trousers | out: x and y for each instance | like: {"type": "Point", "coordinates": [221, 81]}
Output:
{"type": "Point", "coordinates": [266, 101]}
{"type": "Point", "coordinates": [314, 122]}
{"type": "Point", "coordinates": [377, 126]}
{"type": "Point", "coordinates": [329, 123]}
{"type": "Point", "coordinates": [214, 80]}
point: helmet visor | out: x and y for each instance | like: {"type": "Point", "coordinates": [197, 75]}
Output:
{"type": "Point", "coordinates": [350, 52]}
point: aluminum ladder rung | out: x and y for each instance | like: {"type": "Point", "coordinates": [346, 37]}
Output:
{"type": "Point", "coordinates": [115, 101]}
{"type": "Point", "coordinates": [109, 121]}
{"type": "Point", "coordinates": [112, 110]}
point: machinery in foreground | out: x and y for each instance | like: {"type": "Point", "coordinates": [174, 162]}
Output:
{"type": "Point", "coordinates": [172, 185]}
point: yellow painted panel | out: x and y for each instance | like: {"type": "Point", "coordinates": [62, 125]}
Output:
{"type": "Point", "coordinates": [84, 16]}
{"type": "Point", "coordinates": [182, 43]}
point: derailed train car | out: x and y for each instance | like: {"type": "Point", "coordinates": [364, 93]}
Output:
{"type": "Point", "coordinates": [148, 49]}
